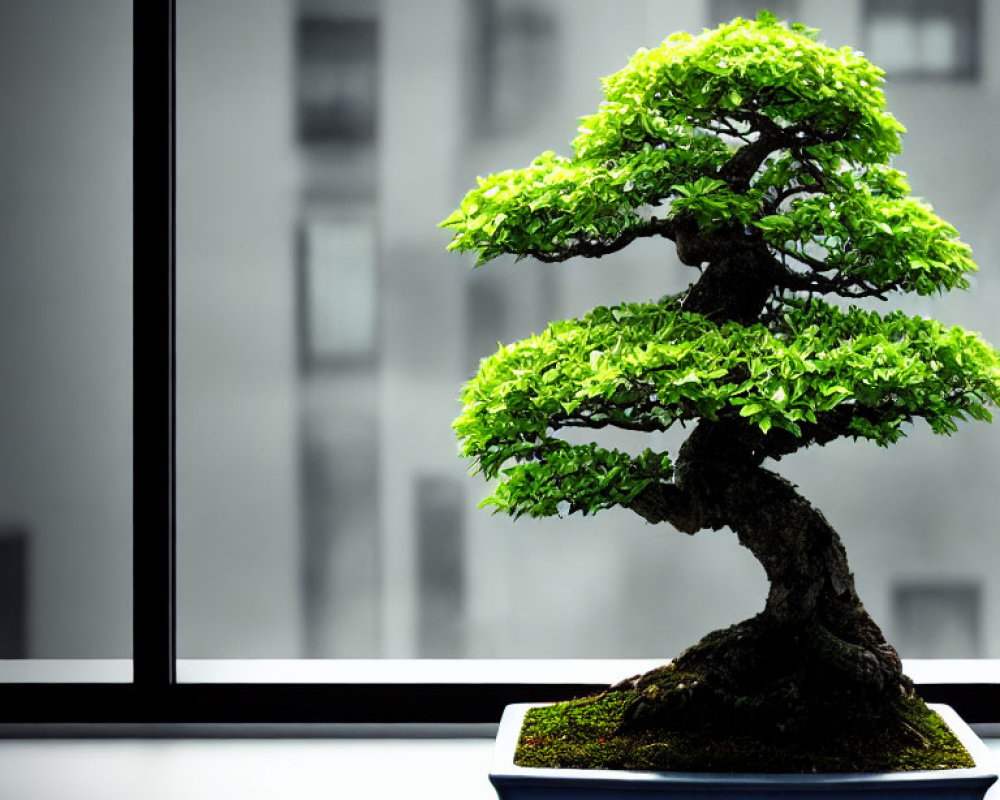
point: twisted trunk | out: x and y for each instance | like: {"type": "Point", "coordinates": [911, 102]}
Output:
{"type": "Point", "coordinates": [801, 553]}
{"type": "Point", "coordinates": [813, 660]}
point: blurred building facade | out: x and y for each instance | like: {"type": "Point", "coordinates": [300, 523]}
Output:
{"type": "Point", "coordinates": [324, 334]}
{"type": "Point", "coordinates": [397, 560]}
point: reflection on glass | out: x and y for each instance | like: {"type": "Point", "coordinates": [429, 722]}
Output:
{"type": "Point", "coordinates": [325, 334]}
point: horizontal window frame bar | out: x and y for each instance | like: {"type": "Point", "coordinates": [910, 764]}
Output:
{"type": "Point", "coordinates": [356, 703]}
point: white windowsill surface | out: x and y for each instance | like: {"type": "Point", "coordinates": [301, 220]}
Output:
{"type": "Point", "coordinates": [417, 670]}
{"type": "Point", "coordinates": [249, 769]}
{"type": "Point", "coordinates": [502, 670]}
{"type": "Point", "coordinates": [286, 769]}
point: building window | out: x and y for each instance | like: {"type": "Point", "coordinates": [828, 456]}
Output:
{"type": "Point", "coordinates": [938, 619]}
{"type": "Point", "coordinates": [337, 79]}
{"type": "Point", "coordinates": [515, 42]}
{"type": "Point", "coordinates": [924, 39]}
{"type": "Point", "coordinates": [13, 592]}
{"type": "Point", "coordinates": [337, 292]}
{"type": "Point", "coordinates": [724, 10]}
{"type": "Point", "coordinates": [440, 507]}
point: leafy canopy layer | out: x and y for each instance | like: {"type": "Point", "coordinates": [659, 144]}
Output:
{"type": "Point", "coordinates": [752, 124]}
{"type": "Point", "coordinates": [825, 373]}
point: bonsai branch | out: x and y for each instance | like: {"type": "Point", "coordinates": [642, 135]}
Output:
{"type": "Point", "coordinates": [668, 502]}
{"type": "Point", "coordinates": [773, 204]}
{"type": "Point", "coordinates": [829, 425]}
{"type": "Point", "coordinates": [597, 247]}
{"type": "Point", "coordinates": [842, 284]}
{"type": "Point", "coordinates": [738, 171]}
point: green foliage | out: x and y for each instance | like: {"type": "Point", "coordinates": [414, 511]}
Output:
{"type": "Point", "coordinates": [752, 136]}
{"type": "Point", "coordinates": [873, 234]}
{"type": "Point", "coordinates": [669, 138]}
{"type": "Point", "coordinates": [568, 478]}
{"type": "Point", "coordinates": [556, 202]}
{"type": "Point", "coordinates": [814, 372]}
{"type": "Point", "coordinates": [740, 71]}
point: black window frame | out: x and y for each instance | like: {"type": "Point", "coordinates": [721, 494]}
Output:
{"type": "Point", "coordinates": [155, 696]}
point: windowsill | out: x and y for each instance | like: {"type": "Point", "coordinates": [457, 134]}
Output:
{"type": "Point", "coordinates": [403, 671]}
{"type": "Point", "coordinates": [589, 671]}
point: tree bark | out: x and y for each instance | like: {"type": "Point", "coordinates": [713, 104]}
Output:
{"type": "Point", "coordinates": [811, 584]}
{"type": "Point", "coordinates": [813, 660]}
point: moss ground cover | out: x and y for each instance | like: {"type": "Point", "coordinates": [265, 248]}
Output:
{"type": "Point", "coordinates": [587, 733]}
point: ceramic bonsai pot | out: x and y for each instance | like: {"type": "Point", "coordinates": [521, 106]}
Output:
{"type": "Point", "coordinates": [531, 783]}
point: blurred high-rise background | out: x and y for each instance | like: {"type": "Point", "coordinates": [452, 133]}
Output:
{"type": "Point", "coordinates": [324, 334]}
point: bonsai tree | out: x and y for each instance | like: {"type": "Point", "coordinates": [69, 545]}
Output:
{"type": "Point", "coordinates": [764, 157]}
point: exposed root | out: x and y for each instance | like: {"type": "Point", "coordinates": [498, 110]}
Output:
{"type": "Point", "coordinates": [756, 676]}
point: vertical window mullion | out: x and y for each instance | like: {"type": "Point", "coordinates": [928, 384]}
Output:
{"type": "Point", "coordinates": [153, 534]}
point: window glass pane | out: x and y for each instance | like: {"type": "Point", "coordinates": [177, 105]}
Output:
{"type": "Point", "coordinates": [65, 336]}
{"type": "Point", "coordinates": [939, 42]}
{"type": "Point", "coordinates": [893, 40]}
{"type": "Point", "coordinates": [921, 39]}
{"type": "Point", "coordinates": [324, 334]}
{"type": "Point", "coordinates": [515, 64]}
{"type": "Point", "coordinates": [939, 619]}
